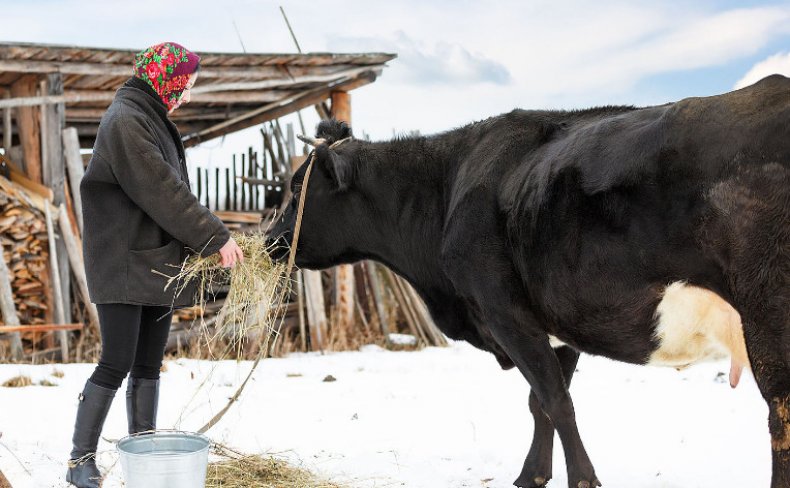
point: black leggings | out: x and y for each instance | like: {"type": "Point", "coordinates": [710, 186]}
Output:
{"type": "Point", "coordinates": [133, 340]}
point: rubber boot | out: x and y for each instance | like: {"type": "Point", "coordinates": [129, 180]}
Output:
{"type": "Point", "coordinates": [94, 404]}
{"type": "Point", "coordinates": [142, 400]}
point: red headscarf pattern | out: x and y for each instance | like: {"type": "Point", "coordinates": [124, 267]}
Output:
{"type": "Point", "coordinates": [166, 67]}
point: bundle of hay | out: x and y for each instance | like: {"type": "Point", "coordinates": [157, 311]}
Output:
{"type": "Point", "coordinates": [254, 304]}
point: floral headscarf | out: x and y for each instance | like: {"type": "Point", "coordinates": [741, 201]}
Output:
{"type": "Point", "coordinates": [166, 68]}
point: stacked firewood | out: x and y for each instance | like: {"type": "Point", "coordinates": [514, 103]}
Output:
{"type": "Point", "coordinates": [23, 233]}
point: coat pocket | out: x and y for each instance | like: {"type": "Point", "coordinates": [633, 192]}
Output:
{"type": "Point", "coordinates": [149, 271]}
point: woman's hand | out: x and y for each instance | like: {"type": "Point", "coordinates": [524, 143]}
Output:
{"type": "Point", "coordinates": [230, 254]}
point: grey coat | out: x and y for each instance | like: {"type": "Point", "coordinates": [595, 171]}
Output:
{"type": "Point", "coordinates": [140, 216]}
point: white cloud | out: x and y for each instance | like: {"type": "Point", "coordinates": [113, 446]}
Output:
{"type": "Point", "coordinates": [443, 62]}
{"type": "Point", "coordinates": [777, 64]}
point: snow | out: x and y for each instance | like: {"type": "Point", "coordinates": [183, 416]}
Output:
{"type": "Point", "coordinates": [440, 417]}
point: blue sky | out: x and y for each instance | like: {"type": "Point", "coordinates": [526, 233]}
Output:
{"type": "Point", "coordinates": [458, 61]}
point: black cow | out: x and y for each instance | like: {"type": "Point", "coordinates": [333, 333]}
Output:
{"type": "Point", "coordinates": [653, 235]}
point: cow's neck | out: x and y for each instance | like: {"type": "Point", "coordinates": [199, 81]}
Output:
{"type": "Point", "coordinates": [410, 177]}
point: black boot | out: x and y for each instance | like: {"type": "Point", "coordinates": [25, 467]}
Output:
{"type": "Point", "coordinates": [142, 399]}
{"type": "Point", "coordinates": [94, 404]}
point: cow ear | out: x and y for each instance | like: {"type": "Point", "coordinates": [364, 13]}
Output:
{"type": "Point", "coordinates": [338, 167]}
{"type": "Point", "coordinates": [332, 130]}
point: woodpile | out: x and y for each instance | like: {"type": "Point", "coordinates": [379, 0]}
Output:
{"type": "Point", "coordinates": [23, 234]}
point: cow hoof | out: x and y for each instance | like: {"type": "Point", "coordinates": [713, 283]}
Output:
{"type": "Point", "coordinates": [587, 484]}
{"type": "Point", "coordinates": [535, 482]}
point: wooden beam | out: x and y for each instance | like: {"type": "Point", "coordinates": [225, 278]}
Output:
{"type": "Point", "coordinates": [219, 72]}
{"type": "Point", "coordinates": [53, 172]}
{"type": "Point", "coordinates": [71, 150]}
{"type": "Point", "coordinates": [344, 274]}
{"type": "Point", "coordinates": [7, 130]}
{"type": "Point", "coordinates": [40, 328]}
{"type": "Point", "coordinates": [60, 312]}
{"type": "Point", "coordinates": [27, 121]}
{"type": "Point", "coordinates": [279, 109]}
{"type": "Point", "coordinates": [207, 96]}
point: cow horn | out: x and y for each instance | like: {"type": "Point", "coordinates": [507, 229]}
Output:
{"type": "Point", "coordinates": [310, 141]}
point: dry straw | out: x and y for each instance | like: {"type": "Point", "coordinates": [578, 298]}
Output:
{"type": "Point", "coordinates": [236, 470]}
{"type": "Point", "coordinates": [254, 305]}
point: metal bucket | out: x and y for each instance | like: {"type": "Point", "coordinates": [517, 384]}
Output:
{"type": "Point", "coordinates": [164, 459]}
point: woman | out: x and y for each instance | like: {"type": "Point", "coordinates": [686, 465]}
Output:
{"type": "Point", "coordinates": [140, 219]}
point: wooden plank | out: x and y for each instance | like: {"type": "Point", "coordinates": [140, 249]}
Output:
{"type": "Point", "coordinates": [27, 122]}
{"type": "Point", "coordinates": [74, 251]}
{"type": "Point", "coordinates": [71, 150]}
{"type": "Point", "coordinates": [37, 193]}
{"type": "Point", "coordinates": [243, 217]}
{"type": "Point", "coordinates": [39, 328]}
{"type": "Point", "coordinates": [8, 309]}
{"type": "Point", "coordinates": [60, 313]}
{"type": "Point", "coordinates": [53, 173]}
{"type": "Point", "coordinates": [378, 296]}
{"type": "Point", "coordinates": [206, 71]}
{"type": "Point", "coordinates": [7, 134]}
{"type": "Point", "coordinates": [316, 310]}
{"type": "Point", "coordinates": [4, 483]}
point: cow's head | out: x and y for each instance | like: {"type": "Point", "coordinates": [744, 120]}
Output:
{"type": "Point", "coordinates": [335, 210]}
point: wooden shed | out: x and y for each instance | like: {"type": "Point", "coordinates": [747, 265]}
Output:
{"type": "Point", "coordinates": [52, 98]}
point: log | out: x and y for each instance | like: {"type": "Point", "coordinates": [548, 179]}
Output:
{"type": "Point", "coordinates": [71, 150]}
{"type": "Point", "coordinates": [316, 310]}
{"type": "Point", "coordinates": [74, 251]}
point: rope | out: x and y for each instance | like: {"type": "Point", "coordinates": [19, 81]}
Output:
{"type": "Point", "coordinates": [291, 260]}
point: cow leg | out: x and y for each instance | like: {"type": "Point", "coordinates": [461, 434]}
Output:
{"type": "Point", "coordinates": [769, 356]}
{"type": "Point", "coordinates": [537, 466]}
{"type": "Point", "coordinates": [494, 289]}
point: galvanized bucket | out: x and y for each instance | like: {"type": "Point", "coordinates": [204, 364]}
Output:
{"type": "Point", "coordinates": [164, 459]}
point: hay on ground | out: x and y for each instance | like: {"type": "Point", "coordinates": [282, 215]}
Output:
{"type": "Point", "coordinates": [18, 382]}
{"type": "Point", "coordinates": [237, 470]}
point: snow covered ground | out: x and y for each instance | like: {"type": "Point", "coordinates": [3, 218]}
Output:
{"type": "Point", "coordinates": [444, 417]}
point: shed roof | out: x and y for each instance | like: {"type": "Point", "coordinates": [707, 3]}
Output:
{"type": "Point", "coordinates": [235, 90]}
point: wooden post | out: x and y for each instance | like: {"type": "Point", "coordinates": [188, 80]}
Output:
{"type": "Point", "coordinates": [60, 314]}
{"type": "Point", "coordinates": [216, 189]}
{"type": "Point", "coordinates": [316, 310]}
{"type": "Point", "coordinates": [27, 123]}
{"type": "Point", "coordinates": [74, 250]}
{"type": "Point", "coordinates": [199, 183]}
{"type": "Point", "coordinates": [235, 186]}
{"type": "Point", "coordinates": [300, 305]}
{"type": "Point", "coordinates": [71, 150]}
{"type": "Point", "coordinates": [344, 274]}
{"type": "Point", "coordinates": [378, 296]}
{"type": "Point", "coordinates": [7, 135]}
{"type": "Point", "coordinates": [243, 186]}
{"type": "Point", "coordinates": [8, 308]}
{"type": "Point", "coordinates": [53, 173]}
{"type": "Point", "coordinates": [227, 189]}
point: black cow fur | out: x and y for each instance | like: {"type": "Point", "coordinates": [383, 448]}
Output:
{"type": "Point", "coordinates": [572, 223]}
